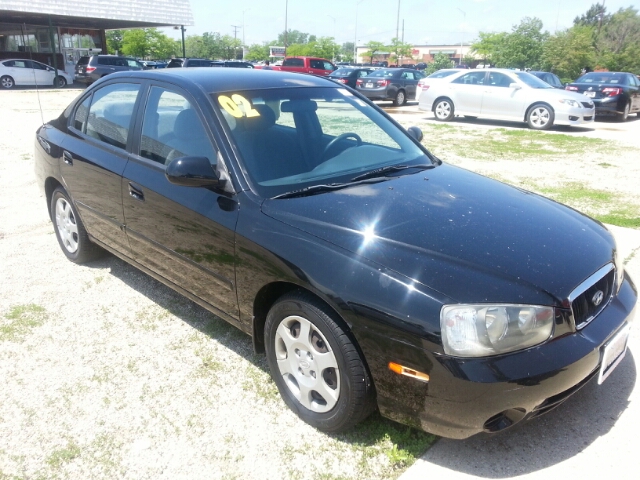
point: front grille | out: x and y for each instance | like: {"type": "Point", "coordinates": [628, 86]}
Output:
{"type": "Point", "coordinates": [592, 295]}
{"type": "Point", "coordinates": [589, 117]}
{"type": "Point", "coordinates": [587, 104]}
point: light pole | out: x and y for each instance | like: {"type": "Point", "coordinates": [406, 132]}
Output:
{"type": "Point", "coordinates": [286, 12]}
{"type": "Point", "coordinates": [398, 21]}
{"type": "Point", "coordinates": [243, 44]}
{"type": "Point", "coordinates": [464, 18]}
{"type": "Point", "coordinates": [333, 58]}
{"type": "Point", "coordinates": [355, 35]}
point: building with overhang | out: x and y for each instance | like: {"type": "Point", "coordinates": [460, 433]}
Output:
{"type": "Point", "coordinates": [422, 53]}
{"type": "Point", "coordinates": [59, 32]}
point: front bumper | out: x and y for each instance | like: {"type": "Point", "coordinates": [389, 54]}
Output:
{"type": "Point", "coordinates": [466, 396]}
{"type": "Point", "coordinates": [575, 116]}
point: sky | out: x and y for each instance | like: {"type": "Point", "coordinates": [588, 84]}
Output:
{"type": "Point", "coordinates": [426, 22]}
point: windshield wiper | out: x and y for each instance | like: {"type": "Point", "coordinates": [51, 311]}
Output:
{"type": "Point", "coordinates": [313, 189]}
{"type": "Point", "coordinates": [381, 172]}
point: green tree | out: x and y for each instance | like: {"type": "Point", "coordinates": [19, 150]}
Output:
{"type": "Point", "coordinates": [399, 50]}
{"type": "Point", "coordinates": [135, 43]}
{"type": "Point", "coordinates": [440, 61]}
{"type": "Point", "coordinates": [293, 37]}
{"type": "Point", "coordinates": [346, 52]}
{"type": "Point", "coordinates": [566, 53]}
{"type": "Point", "coordinates": [194, 46]}
{"type": "Point", "coordinates": [324, 47]}
{"type": "Point", "coordinates": [257, 53]}
{"type": "Point", "coordinates": [373, 47]}
{"type": "Point", "coordinates": [522, 48]}
{"type": "Point", "coordinates": [488, 46]}
{"type": "Point", "coordinates": [230, 48]}
{"type": "Point", "coordinates": [594, 17]}
{"type": "Point", "coordinates": [619, 41]}
{"type": "Point", "coordinates": [161, 46]}
{"type": "Point", "coordinates": [114, 41]}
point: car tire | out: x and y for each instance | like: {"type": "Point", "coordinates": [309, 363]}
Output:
{"type": "Point", "coordinates": [315, 365]}
{"type": "Point", "coordinates": [443, 109]}
{"type": "Point", "coordinates": [7, 82]}
{"type": "Point", "coordinates": [622, 117]}
{"type": "Point", "coordinates": [70, 231]}
{"type": "Point", "coordinates": [61, 82]}
{"type": "Point", "coordinates": [540, 117]}
{"type": "Point", "coordinates": [401, 98]}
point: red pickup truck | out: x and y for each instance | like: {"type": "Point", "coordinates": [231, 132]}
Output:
{"type": "Point", "coordinates": [315, 66]}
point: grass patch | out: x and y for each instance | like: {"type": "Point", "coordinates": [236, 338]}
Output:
{"type": "Point", "coordinates": [20, 320]}
{"type": "Point", "coordinates": [65, 455]}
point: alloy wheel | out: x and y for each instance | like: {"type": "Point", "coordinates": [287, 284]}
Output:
{"type": "Point", "coordinates": [67, 226]}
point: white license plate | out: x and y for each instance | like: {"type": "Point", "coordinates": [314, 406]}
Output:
{"type": "Point", "coordinates": [613, 353]}
{"type": "Point", "coordinates": [368, 85]}
{"type": "Point", "coordinates": [590, 94]}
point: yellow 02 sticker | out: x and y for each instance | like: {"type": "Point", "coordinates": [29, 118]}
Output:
{"type": "Point", "coordinates": [232, 106]}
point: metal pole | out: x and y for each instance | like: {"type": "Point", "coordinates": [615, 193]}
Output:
{"type": "Point", "coordinates": [53, 49]}
{"type": "Point", "coordinates": [184, 54]}
{"type": "Point", "coordinates": [398, 21]}
{"type": "Point", "coordinates": [464, 18]}
{"type": "Point", "coordinates": [286, 12]}
{"type": "Point", "coordinates": [355, 36]}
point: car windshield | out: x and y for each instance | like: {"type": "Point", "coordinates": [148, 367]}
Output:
{"type": "Point", "coordinates": [383, 73]}
{"type": "Point", "coordinates": [531, 80]}
{"type": "Point", "coordinates": [341, 72]}
{"type": "Point", "coordinates": [601, 77]}
{"type": "Point", "coordinates": [443, 73]}
{"type": "Point", "coordinates": [293, 138]}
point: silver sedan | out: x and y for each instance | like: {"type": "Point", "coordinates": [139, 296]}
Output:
{"type": "Point", "coordinates": [505, 95]}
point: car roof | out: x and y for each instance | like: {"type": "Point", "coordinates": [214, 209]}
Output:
{"type": "Point", "coordinates": [231, 79]}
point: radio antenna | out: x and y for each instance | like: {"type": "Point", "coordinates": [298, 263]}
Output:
{"type": "Point", "coordinates": [33, 70]}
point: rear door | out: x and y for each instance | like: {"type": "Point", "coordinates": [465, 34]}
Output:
{"type": "Point", "coordinates": [466, 92]}
{"type": "Point", "coordinates": [94, 157]}
{"type": "Point", "coordinates": [184, 234]}
{"type": "Point", "coordinates": [410, 81]}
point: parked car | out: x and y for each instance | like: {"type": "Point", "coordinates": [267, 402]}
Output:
{"type": "Point", "coordinates": [148, 64]}
{"type": "Point", "coordinates": [18, 71]}
{"type": "Point", "coordinates": [613, 93]}
{"type": "Point", "coordinates": [92, 68]}
{"type": "Point", "coordinates": [349, 75]}
{"type": "Point", "coordinates": [551, 78]}
{"type": "Point", "coordinates": [231, 64]}
{"type": "Point", "coordinates": [458, 305]}
{"type": "Point", "coordinates": [312, 65]}
{"type": "Point", "coordinates": [395, 84]}
{"type": "Point", "coordinates": [189, 62]}
{"type": "Point", "coordinates": [505, 95]}
{"type": "Point", "coordinates": [442, 73]}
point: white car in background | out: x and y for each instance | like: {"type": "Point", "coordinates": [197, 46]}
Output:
{"type": "Point", "coordinates": [505, 95]}
{"type": "Point", "coordinates": [19, 71]}
{"type": "Point", "coordinates": [443, 73]}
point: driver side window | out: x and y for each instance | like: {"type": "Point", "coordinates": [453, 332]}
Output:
{"type": "Point", "coordinates": [172, 128]}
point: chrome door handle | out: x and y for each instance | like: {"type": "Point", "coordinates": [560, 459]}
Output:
{"type": "Point", "coordinates": [67, 157]}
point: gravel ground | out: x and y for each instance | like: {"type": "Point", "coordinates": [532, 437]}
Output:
{"type": "Point", "coordinates": [109, 374]}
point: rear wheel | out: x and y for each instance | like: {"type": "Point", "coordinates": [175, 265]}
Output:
{"type": "Point", "coordinates": [540, 117]}
{"type": "Point", "coordinates": [443, 110]}
{"type": "Point", "coordinates": [7, 82]}
{"type": "Point", "coordinates": [400, 98]}
{"type": "Point", "coordinates": [624, 115]}
{"type": "Point", "coordinates": [317, 368]}
{"type": "Point", "coordinates": [70, 231]}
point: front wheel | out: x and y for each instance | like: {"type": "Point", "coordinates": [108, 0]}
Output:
{"type": "Point", "coordinates": [400, 99]}
{"type": "Point", "coordinates": [540, 117]}
{"type": "Point", "coordinates": [7, 82]}
{"type": "Point", "coordinates": [70, 231]}
{"type": "Point", "coordinates": [443, 110]}
{"type": "Point", "coordinates": [61, 82]}
{"type": "Point", "coordinates": [318, 370]}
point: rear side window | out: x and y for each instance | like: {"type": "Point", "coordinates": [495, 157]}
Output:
{"type": "Point", "coordinates": [83, 61]}
{"type": "Point", "coordinates": [110, 113]}
{"type": "Point", "coordinates": [293, 62]}
{"type": "Point", "coordinates": [471, 78]}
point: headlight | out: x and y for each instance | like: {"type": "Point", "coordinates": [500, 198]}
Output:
{"type": "Point", "coordinates": [483, 330]}
{"type": "Point", "coordinates": [619, 270]}
{"type": "Point", "coordinates": [570, 103]}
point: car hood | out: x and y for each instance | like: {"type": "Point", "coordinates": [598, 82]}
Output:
{"type": "Point", "coordinates": [463, 235]}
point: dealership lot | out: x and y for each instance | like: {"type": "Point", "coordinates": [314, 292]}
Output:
{"type": "Point", "coordinates": [105, 381]}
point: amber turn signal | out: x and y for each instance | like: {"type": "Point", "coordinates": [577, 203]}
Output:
{"type": "Point", "coordinates": [409, 372]}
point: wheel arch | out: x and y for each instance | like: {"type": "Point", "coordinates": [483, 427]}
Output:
{"type": "Point", "coordinates": [441, 97]}
{"type": "Point", "coordinates": [533, 104]}
{"type": "Point", "coordinates": [50, 184]}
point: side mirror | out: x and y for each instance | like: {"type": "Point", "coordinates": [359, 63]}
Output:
{"type": "Point", "coordinates": [193, 172]}
{"type": "Point", "coordinates": [415, 133]}
{"type": "Point", "coordinates": [515, 86]}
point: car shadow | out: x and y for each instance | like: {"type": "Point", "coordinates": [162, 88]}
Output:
{"type": "Point", "coordinates": [548, 440]}
{"type": "Point", "coordinates": [486, 122]}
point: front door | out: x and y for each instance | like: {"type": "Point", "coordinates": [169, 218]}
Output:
{"type": "Point", "coordinates": [500, 100]}
{"type": "Point", "coordinates": [184, 234]}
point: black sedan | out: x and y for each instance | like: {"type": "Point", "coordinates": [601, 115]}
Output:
{"type": "Point", "coordinates": [397, 84]}
{"type": "Point", "coordinates": [613, 93]}
{"type": "Point", "coordinates": [349, 76]}
{"type": "Point", "coordinates": [370, 273]}
{"type": "Point", "coordinates": [551, 78]}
